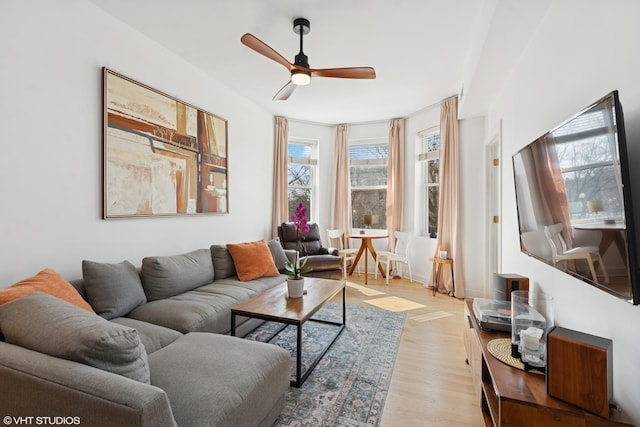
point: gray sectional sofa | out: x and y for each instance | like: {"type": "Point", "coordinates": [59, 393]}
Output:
{"type": "Point", "coordinates": [154, 353]}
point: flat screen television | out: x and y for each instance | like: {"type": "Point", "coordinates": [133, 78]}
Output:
{"type": "Point", "coordinates": [573, 196]}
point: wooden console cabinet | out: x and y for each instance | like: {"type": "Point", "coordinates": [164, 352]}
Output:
{"type": "Point", "coordinates": [512, 397]}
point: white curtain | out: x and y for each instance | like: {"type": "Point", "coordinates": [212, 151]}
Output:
{"type": "Point", "coordinates": [449, 199]}
{"type": "Point", "coordinates": [395, 181]}
{"type": "Point", "coordinates": [341, 208]}
{"type": "Point", "coordinates": [280, 212]}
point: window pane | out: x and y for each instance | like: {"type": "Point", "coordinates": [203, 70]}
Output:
{"type": "Point", "coordinates": [368, 152]}
{"type": "Point", "coordinates": [297, 196]}
{"type": "Point", "coordinates": [431, 142]}
{"type": "Point", "coordinates": [299, 150]}
{"type": "Point", "coordinates": [369, 202]}
{"type": "Point", "coordinates": [433, 169]}
{"type": "Point", "coordinates": [428, 157]}
{"type": "Point", "coordinates": [433, 209]}
{"type": "Point", "coordinates": [299, 175]}
{"type": "Point", "coordinates": [368, 176]}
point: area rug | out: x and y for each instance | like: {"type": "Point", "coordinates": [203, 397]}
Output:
{"type": "Point", "coordinates": [349, 385]}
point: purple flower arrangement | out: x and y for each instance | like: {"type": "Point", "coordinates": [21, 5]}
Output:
{"type": "Point", "coordinates": [301, 225]}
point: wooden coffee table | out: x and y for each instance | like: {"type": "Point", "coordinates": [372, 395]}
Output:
{"type": "Point", "coordinates": [273, 305]}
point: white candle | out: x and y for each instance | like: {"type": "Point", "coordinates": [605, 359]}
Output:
{"type": "Point", "coordinates": [531, 338]}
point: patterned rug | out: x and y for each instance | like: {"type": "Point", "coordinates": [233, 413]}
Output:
{"type": "Point", "coordinates": [349, 385]}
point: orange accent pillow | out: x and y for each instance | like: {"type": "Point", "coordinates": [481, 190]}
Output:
{"type": "Point", "coordinates": [252, 260]}
{"type": "Point", "coordinates": [49, 282]}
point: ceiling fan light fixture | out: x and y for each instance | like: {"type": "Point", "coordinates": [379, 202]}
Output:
{"type": "Point", "coordinates": [300, 78]}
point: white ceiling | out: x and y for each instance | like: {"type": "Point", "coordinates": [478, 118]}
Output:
{"type": "Point", "coordinates": [422, 50]}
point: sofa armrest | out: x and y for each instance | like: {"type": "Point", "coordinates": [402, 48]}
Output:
{"type": "Point", "coordinates": [292, 256]}
{"type": "Point", "coordinates": [33, 384]}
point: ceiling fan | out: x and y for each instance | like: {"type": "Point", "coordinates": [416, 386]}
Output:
{"type": "Point", "coordinates": [300, 71]}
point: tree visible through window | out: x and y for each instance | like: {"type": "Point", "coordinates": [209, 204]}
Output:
{"type": "Point", "coordinates": [301, 174]}
{"type": "Point", "coordinates": [368, 165]}
{"type": "Point", "coordinates": [429, 162]}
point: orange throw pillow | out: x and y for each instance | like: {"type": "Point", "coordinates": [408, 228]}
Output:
{"type": "Point", "coordinates": [49, 282]}
{"type": "Point", "coordinates": [252, 260]}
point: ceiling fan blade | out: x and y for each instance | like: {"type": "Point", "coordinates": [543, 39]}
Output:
{"type": "Point", "coordinates": [284, 93]}
{"type": "Point", "coordinates": [346, 73]}
{"type": "Point", "coordinates": [252, 42]}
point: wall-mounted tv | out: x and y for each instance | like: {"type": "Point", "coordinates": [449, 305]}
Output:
{"type": "Point", "coordinates": [574, 199]}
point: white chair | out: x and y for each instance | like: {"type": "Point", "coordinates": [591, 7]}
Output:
{"type": "Point", "coordinates": [560, 251]}
{"type": "Point", "coordinates": [348, 255]}
{"type": "Point", "coordinates": [399, 255]}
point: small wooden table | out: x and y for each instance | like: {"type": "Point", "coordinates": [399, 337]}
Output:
{"type": "Point", "coordinates": [273, 305]}
{"type": "Point", "coordinates": [366, 247]}
{"type": "Point", "coordinates": [436, 272]}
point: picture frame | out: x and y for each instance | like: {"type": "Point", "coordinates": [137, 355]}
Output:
{"type": "Point", "coordinates": [161, 156]}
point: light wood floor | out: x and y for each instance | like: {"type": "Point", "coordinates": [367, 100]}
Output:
{"type": "Point", "coordinates": [431, 383]}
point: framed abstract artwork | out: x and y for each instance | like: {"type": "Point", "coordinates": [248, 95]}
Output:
{"type": "Point", "coordinates": [162, 156]}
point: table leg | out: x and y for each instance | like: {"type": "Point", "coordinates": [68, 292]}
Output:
{"type": "Point", "coordinates": [434, 278]}
{"type": "Point", "coordinates": [453, 280]}
{"type": "Point", "coordinates": [355, 261]}
{"type": "Point", "coordinates": [299, 357]}
{"type": "Point", "coordinates": [344, 306]}
{"type": "Point", "coordinates": [366, 261]}
{"type": "Point", "coordinates": [233, 325]}
{"type": "Point", "coordinates": [374, 255]}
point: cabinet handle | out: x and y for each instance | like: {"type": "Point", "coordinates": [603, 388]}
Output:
{"type": "Point", "coordinates": [470, 322]}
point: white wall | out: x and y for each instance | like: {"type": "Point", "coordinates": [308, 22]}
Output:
{"type": "Point", "coordinates": [51, 162]}
{"type": "Point", "coordinates": [581, 51]}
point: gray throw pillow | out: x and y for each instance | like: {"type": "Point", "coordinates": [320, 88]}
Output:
{"type": "Point", "coordinates": [277, 252]}
{"type": "Point", "coordinates": [113, 290]}
{"type": "Point", "coordinates": [166, 276]}
{"type": "Point", "coordinates": [223, 265]}
{"type": "Point", "coordinates": [49, 325]}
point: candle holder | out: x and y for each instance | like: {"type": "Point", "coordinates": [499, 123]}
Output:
{"type": "Point", "coordinates": [529, 327]}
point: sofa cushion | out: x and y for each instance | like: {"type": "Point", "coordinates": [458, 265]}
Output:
{"type": "Point", "coordinates": [252, 260]}
{"type": "Point", "coordinates": [277, 253]}
{"type": "Point", "coordinates": [229, 381]}
{"type": "Point", "coordinates": [49, 282]}
{"type": "Point", "coordinates": [153, 337]}
{"type": "Point", "coordinates": [205, 309]}
{"type": "Point", "coordinates": [223, 266]}
{"type": "Point", "coordinates": [166, 276]}
{"type": "Point", "coordinates": [113, 290]}
{"type": "Point", "coordinates": [47, 324]}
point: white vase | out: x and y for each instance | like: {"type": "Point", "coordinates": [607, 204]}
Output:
{"type": "Point", "coordinates": [295, 287]}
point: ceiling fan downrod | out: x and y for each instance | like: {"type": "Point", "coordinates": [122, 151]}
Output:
{"type": "Point", "coordinates": [301, 26]}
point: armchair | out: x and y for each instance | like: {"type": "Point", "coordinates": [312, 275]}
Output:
{"type": "Point", "coordinates": [323, 262]}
